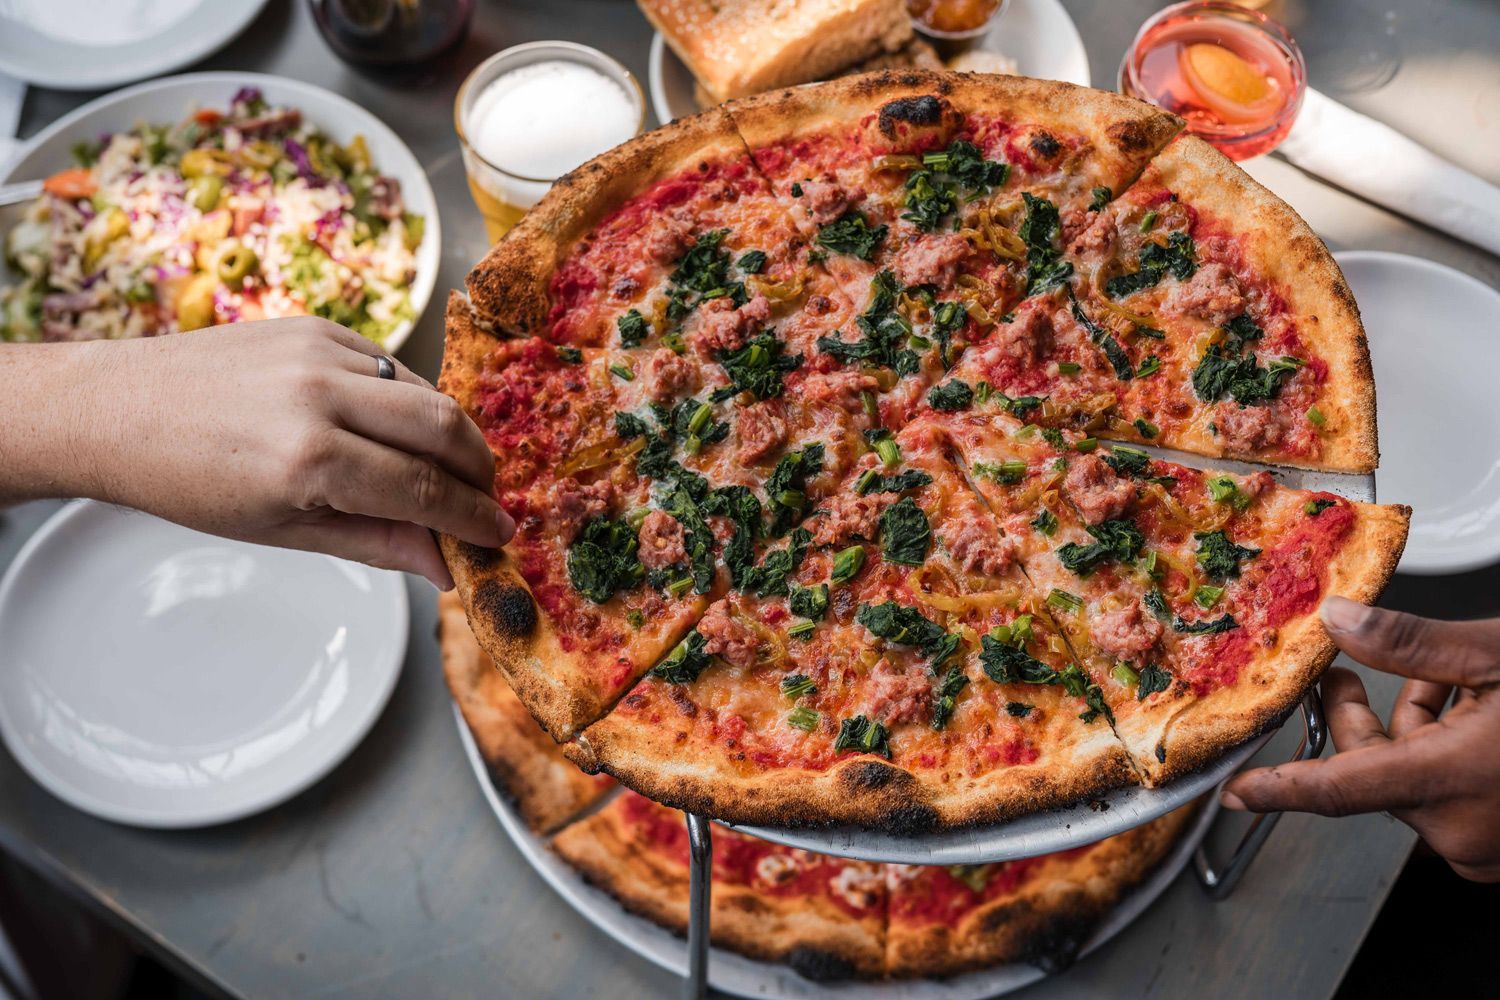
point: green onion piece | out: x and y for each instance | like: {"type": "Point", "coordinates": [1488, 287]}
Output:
{"type": "Point", "coordinates": [803, 718]}
{"type": "Point", "coordinates": [680, 586]}
{"type": "Point", "coordinates": [1085, 444]}
{"type": "Point", "coordinates": [1147, 428]}
{"type": "Point", "coordinates": [674, 341]}
{"type": "Point", "coordinates": [623, 372]}
{"type": "Point", "coordinates": [637, 517]}
{"type": "Point", "coordinates": [889, 453]}
{"type": "Point", "coordinates": [847, 564]}
{"type": "Point", "coordinates": [1127, 677]}
{"type": "Point", "coordinates": [1069, 368]}
{"type": "Point", "coordinates": [919, 342]}
{"type": "Point", "coordinates": [693, 444]}
{"type": "Point", "coordinates": [865, 481]}
{"type": "Point", "coordinates": [867, 400]}
{"type": "Point", "coordinates": [1026, 432]}
{"type": "Point", "coordinates": [1207, 596]}
{"type": "Point", "coordinates": [1148, 220]}
{"type": "Point", "coordinates": [796, 685]}
{"type": "Point", "coordinates": [982, 392]}
{"type": "Point", "coordinates": [802, 630]}
{"type": "Point", "coordinates": [1150, 365]}
{"type": "Point", "coordinates": [1315, 415]}
{"type": "Point", "coordinates": [1223, 489]}
{"type": "Point", "coordinates": [700, 418]}
{"type": "Point", "coordinates": [1148, 563]}
{"type": "Point", "coordinates": [795, 499]}
{"type": "Point", "coordinates": [1064, 601]}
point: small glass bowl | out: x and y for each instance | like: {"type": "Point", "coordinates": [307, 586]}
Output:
{"type": "Point", "coordinates": [951, 43]}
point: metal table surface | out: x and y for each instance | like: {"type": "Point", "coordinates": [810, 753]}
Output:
{"type": "Point", "coordinates": [391, 877]}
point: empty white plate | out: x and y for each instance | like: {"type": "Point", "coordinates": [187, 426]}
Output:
{"type": "Point", "coordinates": [1434, 338]}
{"type": "Point", "coordinates": [1038, 34]}
{"type": "Point", "coordinates": [157, 676]}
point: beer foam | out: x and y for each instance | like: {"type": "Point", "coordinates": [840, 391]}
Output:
{"type": "Point", "coordinates": [543, 119]}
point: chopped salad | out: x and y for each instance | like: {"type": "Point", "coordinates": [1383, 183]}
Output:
{"type": "Point", "coordinates": [242, 214]}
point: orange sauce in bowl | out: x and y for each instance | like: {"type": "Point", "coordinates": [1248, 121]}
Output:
{"type": "Point", "coordinates": [952, 15]}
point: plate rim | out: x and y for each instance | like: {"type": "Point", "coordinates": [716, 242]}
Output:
{"type": "Point", "coordinates": [390, 670]}
{"type": "Point", "coordinates": [607, 916]}
{"type": "Point", "coordinates": [429, 252]}
{"type": "Point", "coordinates": [197, 47]}
{"type": "Point", "coordinates": [1425, 564]}
{"type": "Point", "coordinates": [656, 57]}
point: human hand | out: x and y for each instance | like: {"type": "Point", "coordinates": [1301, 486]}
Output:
{"type": "Point", "coordinates": [279, 432]}
{"type": "Point", "coordinates": [1436, 771]}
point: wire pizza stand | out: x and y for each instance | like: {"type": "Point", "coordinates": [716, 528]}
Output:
{"type": "Point", "coordinates": [1056, 830]}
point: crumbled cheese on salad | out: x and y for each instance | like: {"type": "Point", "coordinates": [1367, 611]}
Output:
{"type": "Point", "coordinates": [237, 215]}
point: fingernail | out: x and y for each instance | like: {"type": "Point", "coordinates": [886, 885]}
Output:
{"type": "Point", "coordinates": [1343, 615]}
{"type": "Point", "coordinates": [1229, 800]}
{"type": "Point", "coordinates": [507, 526]}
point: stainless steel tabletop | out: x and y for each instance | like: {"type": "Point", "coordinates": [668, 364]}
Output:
{"type": "Point", "coordinates": [391, 877]}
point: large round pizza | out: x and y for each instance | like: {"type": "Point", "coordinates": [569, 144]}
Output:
{"type": "Point", "coordinates": [818, 416]}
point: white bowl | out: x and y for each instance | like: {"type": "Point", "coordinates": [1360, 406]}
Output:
{"type": "Point", "coordinates": [171, 99]}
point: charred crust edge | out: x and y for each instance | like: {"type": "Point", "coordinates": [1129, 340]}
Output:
{"type": "Point", "coordinates": [506, 606]}
{"type": "Point", "coordinates": [923, 110]}
{"type": "Point", "coordinates": [818, 965]}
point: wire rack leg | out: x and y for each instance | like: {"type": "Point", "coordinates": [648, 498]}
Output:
{"type": "Point", "coordinates": [700, 884]}
{"type": "Point", "coordinates": [1219, 883]}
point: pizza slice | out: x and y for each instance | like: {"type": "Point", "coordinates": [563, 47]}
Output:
{"type": "Point", "coordinates": [1189, 598]}
{"type": "Point", "coordinates": [880, 169]}
{"type": "Point", "coordinates": [823, 916]}
{"type": "Point", "coordinates": [604, 574]}
{"type": "Point", "coordinates": [523, 760]}
{"type": "Point", "coordinates": [1203, 314]}
{"type": "Point", "coordinates": [945, 920]}
{"type": "Point", "coordinates": [670, 240]}
{"type": "Point", "coordinates": [876, 682]}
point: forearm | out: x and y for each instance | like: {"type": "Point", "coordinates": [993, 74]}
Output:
{"type": "Point", "coordinates": [48, 409]}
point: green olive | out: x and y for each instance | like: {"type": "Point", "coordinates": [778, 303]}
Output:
{"type": "Point", "coordinates": [236, 264]}
{"type": "Point", "coordinates": [204, 192]}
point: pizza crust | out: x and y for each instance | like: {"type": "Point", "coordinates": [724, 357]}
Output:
{"type": "Point", "coordinates": [509, 287]}
{"type": "Point", "coordinates": [1049, 919]}
{"type": "Point", "coordinates": [1124, 133]}
{"type": "Point", "coordinates": [1169, 744]}
{"type": "Point", "coordinates": [523, 760]}
{"type": "Point", "coordinates": [815, 938]}
{"type": "Point", "coordinates": [659, 757]}
{"type": "Point", "coordinates": [1281, 246]}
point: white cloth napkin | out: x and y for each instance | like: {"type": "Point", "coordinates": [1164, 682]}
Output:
{"type": "Point", "coordinates": [1378, 163]}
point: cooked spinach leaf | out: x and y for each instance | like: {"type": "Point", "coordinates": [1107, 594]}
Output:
{"type": "Point", "coordinates": [809, 602]}
{"type": "Point", "coordinates": [863, 736]}
{"type": "Point", "coordinates": [756, 368]}
{"type": "Point", "coordinates": [885, 332]}
{"type": "Point", "coordinates": [1116, 540]}
{"type": "Point", "coordinates": [952, 395]}
{"type": "Point", "coordinates": [1178, 258]}
{"type": "Point", "coordinates": [785, 496]}
{"type": "Point", "coordinates": [1153, 679]}
{"type": "Point", "coordinates": [945, 696]}
{"type": "Point", "coordinates": [905, 533]}
{"type": "Point", "coordinates": [633, 328]}
{"type": "Point", "coordinates": [851, 234]}
{"type": "Point", "coordinates": [685, 662]}
{"type": "Point", "coordinates": [1204, 626]}
{"type": "Point", "coordinates": [906, 626]}
{"type": "Point", "coordinates": [602, 560]}
{"type": "Point", "coordinates": [1219, 557]}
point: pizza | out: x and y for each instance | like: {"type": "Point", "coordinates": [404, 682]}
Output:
{"type": "Point", "coordinates": [827, 918]}
{"type": "Point", "coordinates": [821, 417]}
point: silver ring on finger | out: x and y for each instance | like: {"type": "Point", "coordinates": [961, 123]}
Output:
{"type": "Point", "coordinates": [384, 366]}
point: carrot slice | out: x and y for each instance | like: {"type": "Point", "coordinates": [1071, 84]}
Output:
{"type": "Point", "coordinates": [75, 183]}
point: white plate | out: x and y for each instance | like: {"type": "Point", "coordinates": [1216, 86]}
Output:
{"type": "Point", "coordinates": [157, 676]}
{"type": "Point", "coordinates": [1434, 335]}
{"type": "Point", "coordinates": [1038, 34]}
{"type": "Point", "coordinates": [746, 977]}
{"type": "Point", "coordinates": [171, 99]}
{"type": "Point", "coordinates": [93, 44]}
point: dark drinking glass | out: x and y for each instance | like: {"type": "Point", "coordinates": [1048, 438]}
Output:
{"type": "Point", "coordinates": [392, 34]}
